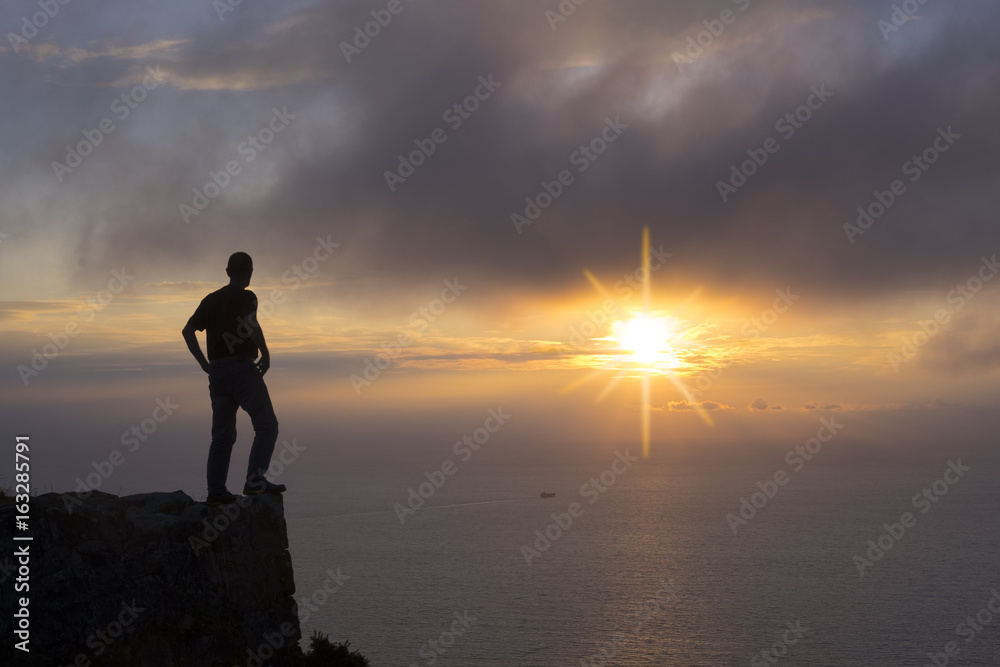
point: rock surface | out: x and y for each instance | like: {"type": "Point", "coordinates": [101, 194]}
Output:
{"type": "Point", "coordinates": [155, 580]}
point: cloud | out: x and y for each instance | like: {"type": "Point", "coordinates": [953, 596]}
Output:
{"type": "Point", "coordinates": [685, 406]}
{"type": "Point", "coordinates": [967, 345]}
{"type": "Point", "coordinates": [937, 403]}
{"type": "Point", "coordinates": [41, 52]}
{"type": "Point", "coordinates": [157, 50]}
{"type": "Point", "coordinates": [814, 405]}
{"type": "Point", "coordinates": [327, 172]}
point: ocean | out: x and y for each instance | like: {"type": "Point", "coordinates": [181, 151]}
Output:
{"type": "Point", "coordinates": [638, 564]}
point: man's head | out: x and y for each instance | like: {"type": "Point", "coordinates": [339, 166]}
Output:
{"type": "Point", "coordinates": [239, 269]}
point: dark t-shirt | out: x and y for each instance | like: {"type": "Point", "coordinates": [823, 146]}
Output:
{"type": "Point", "coordinates": [227, 315]}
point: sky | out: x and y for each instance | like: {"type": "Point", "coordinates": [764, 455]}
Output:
{"type": "Point", "coordinates": [446, 203]}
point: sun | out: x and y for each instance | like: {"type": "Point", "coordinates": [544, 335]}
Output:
{"type": "Point", "coordinates": [647, 337]}
{"type": "Point", "coordinates": [651, 345]}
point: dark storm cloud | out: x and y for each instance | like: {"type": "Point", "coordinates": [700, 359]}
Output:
{"type": "Point", "coordinates": [686, 126]}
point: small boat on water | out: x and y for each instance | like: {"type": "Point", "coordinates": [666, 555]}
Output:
{"type": "Point", "coordinates": [548, 495]}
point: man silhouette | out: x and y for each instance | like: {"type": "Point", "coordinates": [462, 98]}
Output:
{"type": "Point", "coordinates": [235, 379]}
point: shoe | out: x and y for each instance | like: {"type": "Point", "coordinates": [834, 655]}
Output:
{"type": "Point", "coordinates": [262, 486]}
{"type": "Point", "coordinates": [223, 498]}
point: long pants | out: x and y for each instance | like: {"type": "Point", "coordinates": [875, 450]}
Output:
{"type": "Point", "coordinates": [235, 382]}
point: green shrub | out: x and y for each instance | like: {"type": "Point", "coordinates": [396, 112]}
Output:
{"type": "Point", "coordinates": [323, 653]}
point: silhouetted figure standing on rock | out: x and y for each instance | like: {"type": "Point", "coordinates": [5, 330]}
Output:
{"type": "Point", "coordinates": [235, 379]}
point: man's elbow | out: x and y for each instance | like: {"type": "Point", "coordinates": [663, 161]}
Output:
{"type": "Point", "coordinates": [187, 331]}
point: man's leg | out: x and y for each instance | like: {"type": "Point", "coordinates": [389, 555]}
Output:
{"type": "Point", "coordinates": [224, 406]}
{"type": "Point", "coordinates": [253, 397]}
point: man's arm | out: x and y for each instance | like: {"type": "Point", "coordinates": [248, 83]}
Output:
{"type": "Point", "coordinates": [194, 346]}
{"type": "Point", "coordinates": [257, 335]}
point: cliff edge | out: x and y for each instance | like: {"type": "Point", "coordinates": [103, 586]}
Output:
{"type": "Point", "coordinates": [151, 580]}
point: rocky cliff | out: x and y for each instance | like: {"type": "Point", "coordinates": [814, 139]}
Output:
{"type": "Point", "coordinates": [154, 580]}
